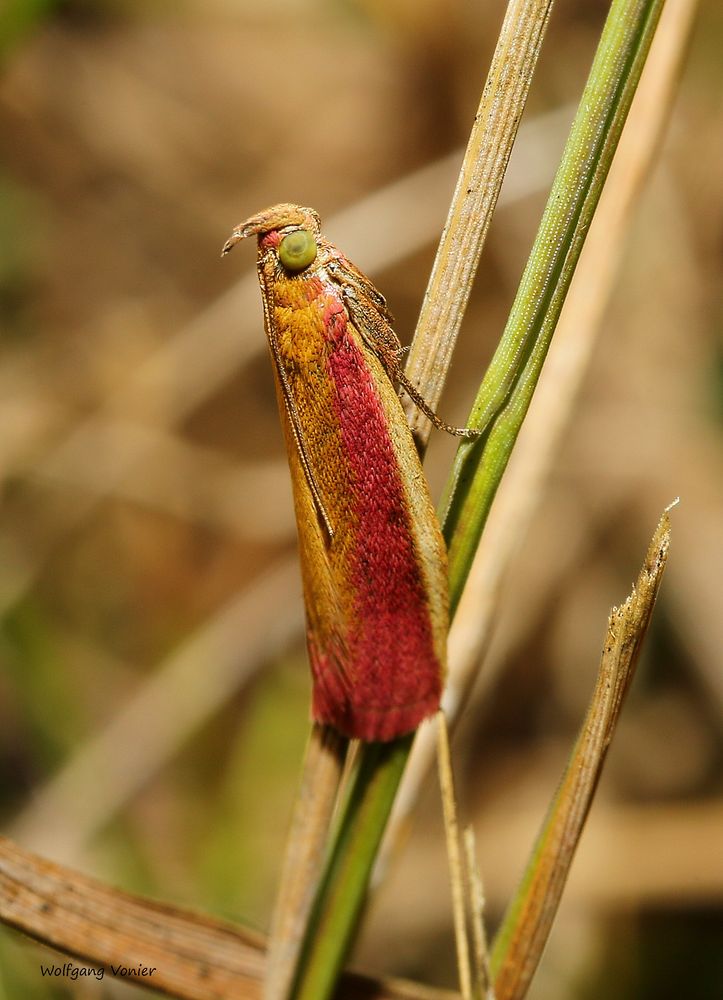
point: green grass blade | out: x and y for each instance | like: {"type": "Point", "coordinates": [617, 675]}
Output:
{"type": "Point", "coordinates": [508, 385]}
{"type": "Point", "coordinates": [500, 408]}
{"type": "Point", "coordinates": [342, 890]}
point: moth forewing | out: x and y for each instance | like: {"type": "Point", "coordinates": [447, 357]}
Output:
{"type": "Point", "coordinates": [372, 556]}
{"type": "Point", "coordinates": [286, 398]}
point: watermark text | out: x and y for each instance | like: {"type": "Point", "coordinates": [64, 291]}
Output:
{"type": "Point", "coordinates": [69, 970]}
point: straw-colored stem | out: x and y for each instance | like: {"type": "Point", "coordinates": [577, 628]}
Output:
{"type": "Point", "coordinates": [475, 197]}
{"type": "Point", "coordinates": [457, 876]}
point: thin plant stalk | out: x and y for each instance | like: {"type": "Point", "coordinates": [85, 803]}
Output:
{"type": "Point", "coordinates": [459, 882]}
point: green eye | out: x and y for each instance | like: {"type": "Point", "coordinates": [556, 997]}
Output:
{"type": "Point", "coordinates": [297, 250]}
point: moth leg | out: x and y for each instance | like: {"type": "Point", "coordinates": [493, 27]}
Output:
{"type": "Point", "coordinates": [348, 276]}
{"type": "Point", "coordinates": [375, 331]}
{"type": "Point", "coordinates": [381, 339]}
{"type": "Point", "coordinates": [468, 433]}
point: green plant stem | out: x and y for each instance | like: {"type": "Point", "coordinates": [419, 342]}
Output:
{"type": "Point", "coordinates": [500, 407]}
{"type": "Point", "coordinates": [509, 383]}
{"type": "Point", "coordinates": [339, 900]}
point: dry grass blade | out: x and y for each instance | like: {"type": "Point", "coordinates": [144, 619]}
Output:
{"type": "Point", "coordinates": [477, 915]}
{"type": "Point", "coordinates": [480, 179]}
{"type": "Point", "coordinates": [457, 874]}
{"type": "Point", "coordinates": [194, 957]}
{"type": "Point", "coordinates": [526, 925]}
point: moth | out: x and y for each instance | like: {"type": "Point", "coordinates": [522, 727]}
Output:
{"type": "Point", "coordinates": [373, 561]}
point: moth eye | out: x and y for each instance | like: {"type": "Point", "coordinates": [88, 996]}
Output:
{"type": "Point", "coordinates": [297, 250]}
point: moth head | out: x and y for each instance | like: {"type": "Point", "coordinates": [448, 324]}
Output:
{"type": "Point", "coordinates": [289, 231]}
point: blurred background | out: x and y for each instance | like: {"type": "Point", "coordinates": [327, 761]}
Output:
{"type": "Point", "coordinates": [153, 680]}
